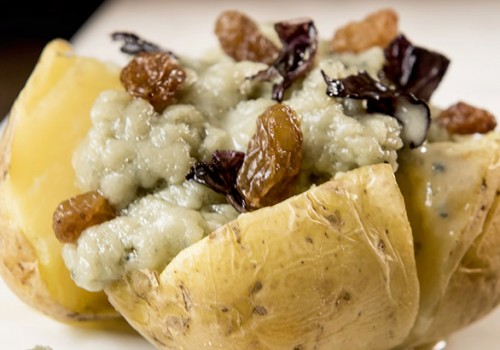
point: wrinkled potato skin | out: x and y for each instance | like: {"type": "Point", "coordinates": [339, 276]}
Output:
{"type": "Point", "coordinates": [332, 268]}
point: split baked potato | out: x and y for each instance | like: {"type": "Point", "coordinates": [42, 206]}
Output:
{"type": "Point", "coordinates": [37, 146]}
{"type": "Point", "coordinates": [330, 268]}
{"type": "Point", "coordinates": [367, 260]}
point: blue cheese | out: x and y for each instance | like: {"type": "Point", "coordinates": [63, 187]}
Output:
{"type": "Point", "coordinates": [151, 231]}
{"type": "Point", "coordinates": [334, 141]}
{"type": "Point", "coordinates": [139, 159]}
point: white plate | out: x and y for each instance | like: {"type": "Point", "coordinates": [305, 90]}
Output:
{"type": "Point", "coordinates": [466, 31]}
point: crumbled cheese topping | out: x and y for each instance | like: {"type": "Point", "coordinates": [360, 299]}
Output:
{"type": "Point", "coordinates": [138, 158]}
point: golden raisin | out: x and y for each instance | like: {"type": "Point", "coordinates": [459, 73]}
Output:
{"type": "Point", "coordinates": [462, 118]}
{"type": "Point", "coordinates": [273, 158]}
{"type": "Point", "coordinates": [154, 76]}
{"type": "Point", "coordinates": [76, 214]}
{"type": "Point", "coordinates": [377, 29]}
{"type": "Point", "coordinates": [241, 39]}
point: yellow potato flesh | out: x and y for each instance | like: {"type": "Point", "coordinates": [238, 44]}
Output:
{"type": "Point", "coordinates": [49, 119]}
{"type": "Point", "coordinates": [332, 268]}
{"type": "Point", "coordinates": [451, 194]}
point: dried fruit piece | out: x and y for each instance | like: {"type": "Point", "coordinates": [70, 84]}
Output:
{"type": "Point", "coordinates": [414, 69]}
{"type": "Point", "coordinates": [376, 29]}
{"type": "Point", "coordinates": [76, 214]}
{"type": "Point", "coordinates": [154, 76]}
{"type": "Point", "coordinates": [300, 43]}
{"type": "Point", "coordinates": [412, 113]}
{"type": "Point", "coordinates": [462, 118]}
{"type": "Point", "coordinates": [273, 158]}
{"type": "Point", "coordinates": [241, 39]}
{"type": "Point", "coordinates": [220, 175]}
{"type": "Point", "coordinates": [133, 44]}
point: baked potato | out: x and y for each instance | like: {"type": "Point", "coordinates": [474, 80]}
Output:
{"type": "Point", "coordinates": [31, 262]}
{"type": "Point", "coordinates": [366, 260]}
{"type": "Point", "coordinates": [315, 271]}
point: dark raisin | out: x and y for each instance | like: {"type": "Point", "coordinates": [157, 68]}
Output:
{"type": "Point", "coordinates": [76, 214]}
{"type": "Point", "coordinates": [154, 76]}
{"type": "Point", "coordinates": [241, 39]}
{"type": "Point", "coordinates": [377, 29]}
{"type": "Point", "coordinates": [462, 118]}
{"type": "Point", "coordinates": [273, 158]}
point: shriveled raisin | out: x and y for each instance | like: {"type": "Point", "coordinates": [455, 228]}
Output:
{"type": "Point", "coordinates": [154, 76]}
{"type": "Point", "coordinates": [462, 118]}
{"type": "Point", "coordinates": [273, 158]}
{"type": "Point", "coordinates": [241, 39]}
{"type": "Point", "coordinates": [377, 29]}
{"type": "Point", "coordinates": [76, 214]}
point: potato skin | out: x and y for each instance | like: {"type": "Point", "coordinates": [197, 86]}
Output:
{"type": "Point", "coordinates": [452, 193]}
{"type": "Point", "coordinates": [33, 176]}
{"type": "Point", "coordinates": [18, 262]}
{"type": "Point", "coordinates": [332, 268]}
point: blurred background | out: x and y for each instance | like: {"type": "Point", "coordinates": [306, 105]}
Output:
{"type": "Point", "coordinates": [25, 27]}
